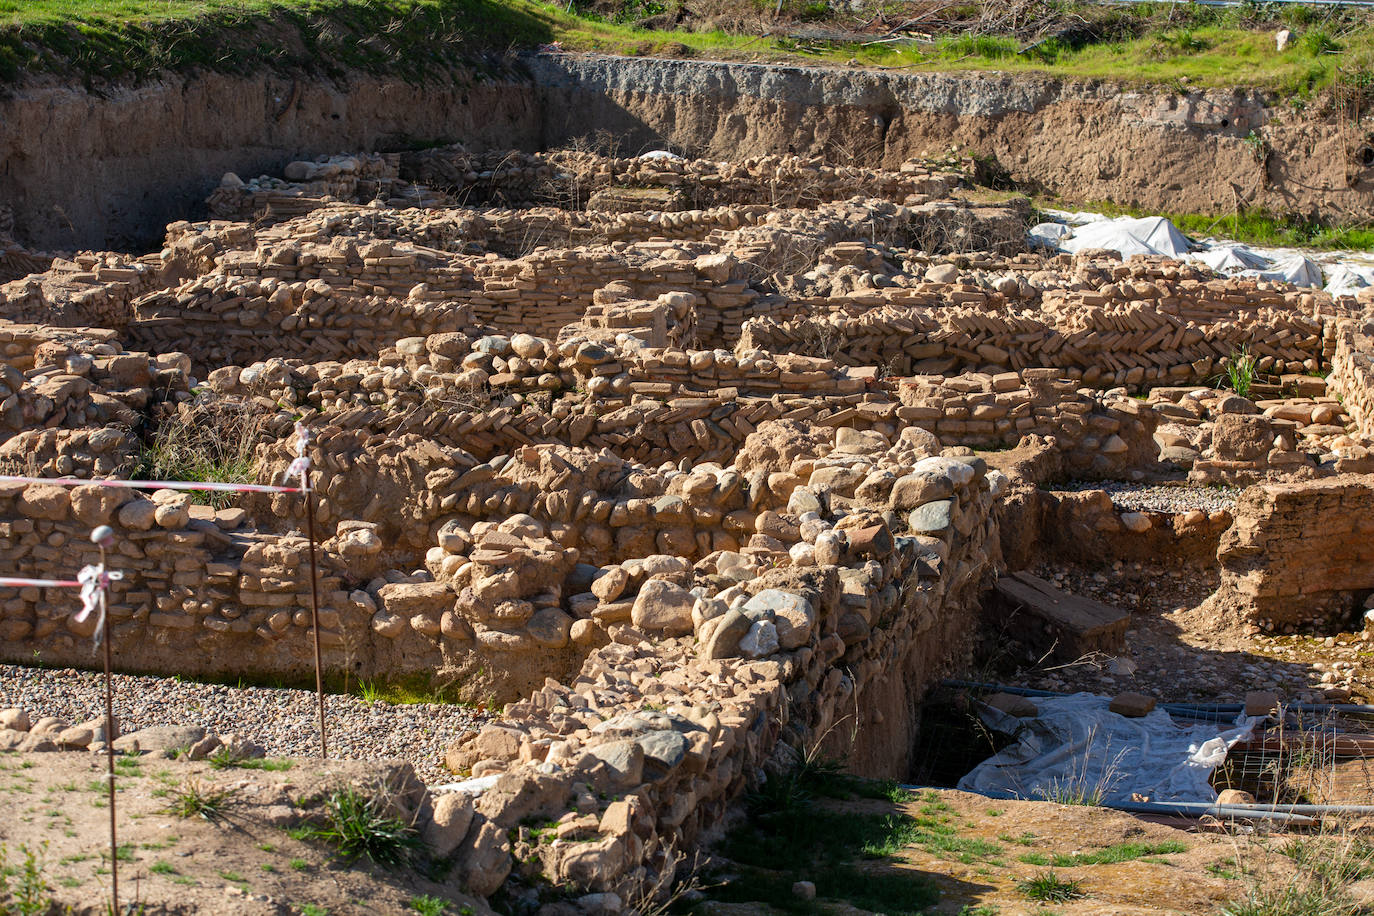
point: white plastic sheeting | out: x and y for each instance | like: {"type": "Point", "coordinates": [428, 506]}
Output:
{"type": "Point", "coordinates": [661, 154]}
{"type": "Point", "coordinates": [1049, 235]}
{"type": "Point", "coordinates": [1296, 269]}
{"type": "Point", "coordinates": [1146, 235]}
{"type": "Point", "coordinates": [1229, 259]}
{"type": "Point", "coordinates": [1078, 747]}
{"type": "Point", "coordinates": [1346, 279]}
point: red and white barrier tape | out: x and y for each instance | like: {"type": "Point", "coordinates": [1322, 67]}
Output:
{"type": "Point", "coordinates": [12, 582]}
{"type": "Point", "coordinates": [154, 484]}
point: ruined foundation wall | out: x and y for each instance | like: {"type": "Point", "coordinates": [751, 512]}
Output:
{"type": "Point", "coordinates": [1298, 550]}
{"type": "Point", "coordinates": [1352, 373]}
{"type": "Point", "coordinates": [677, 735]}
{"type": "Point", "coordinates": [1147, 324]}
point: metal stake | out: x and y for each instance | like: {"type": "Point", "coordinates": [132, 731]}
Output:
{"type": "Point", "coordinates": [315, 605]}
{"type": "Point", "coordinates": [104, 537]}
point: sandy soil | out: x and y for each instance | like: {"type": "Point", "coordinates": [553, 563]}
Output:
{"type": "Point", "coordinates": [242, 863]}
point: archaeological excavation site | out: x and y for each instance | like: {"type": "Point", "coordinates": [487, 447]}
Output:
{"type": "Point", "coordinates": [592, 485]}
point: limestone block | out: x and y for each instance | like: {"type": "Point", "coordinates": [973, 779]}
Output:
{"type": "Point", "coordinates": [448, 824]}
{"type": "Point", "coordinates": [663, 607]}
{"type": "Point", "coordinates": [624, 759]}
{"type": "Point", "coordinates": [720, 637]}
{"type": "Point", "coordinates": [484, 857]}
{"type": "Point", "coordinates": [551, 628]}
{"type": "Point", "coordinates": [933, 518]}
{"type": "Point", "coordinates": [95, 505]}
{"type": "Point", "coordinates": [138, 514]}
{"type": "Point", "coordinates": [793, 616]}
{"type": "Point", "coordinates": [761, 640]}
{"type": "Point", "coordinates": [44, 501]}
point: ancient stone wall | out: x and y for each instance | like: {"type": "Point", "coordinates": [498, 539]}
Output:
{"type": "Point", "coordinates": [453, 176]}
{"type": "Point", "coordinates": [1352, 373]}
{"type": "Point", "coordinates": [1099, 434]}
{"type": "Point", "coordinates": [1147, 328]}
{"type": "Point", "coordinates": [1298, 552]}
{"type": "Point", "coordinates": [675, 728]}
{"type": "Point", "coordinates": [204, 594]}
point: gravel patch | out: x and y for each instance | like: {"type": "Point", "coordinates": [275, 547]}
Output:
{"type": "Point", "coordinates": [1172, 498]}
{"type": "Point", "coordinates": [285, 721]}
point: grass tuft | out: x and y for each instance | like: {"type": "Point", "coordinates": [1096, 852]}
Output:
{"type": "Point", "coordinates": [1239, 371]}
{"type": "Point", "coordinates": [1048, 887]}
{"type": "Point", "coordinates": [195, 799]}
{"type": "Point", "coordinates": [358, 824]}
{"type": "Point", "coordinates": [205, 443]}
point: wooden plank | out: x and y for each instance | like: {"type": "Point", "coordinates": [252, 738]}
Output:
{"type": "Point", "coordinates": [1067, 625]}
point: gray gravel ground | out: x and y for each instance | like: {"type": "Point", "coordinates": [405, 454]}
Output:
{"type": "Point", "coordinates": [284, 721]}
{"type": "Point", "coordinates": [1140, 497]}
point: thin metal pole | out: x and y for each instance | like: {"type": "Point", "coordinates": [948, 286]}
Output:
{"type": "Point", "coordinates": [315, 606]}
{"type": "Point", "coordinates": [109, 738]}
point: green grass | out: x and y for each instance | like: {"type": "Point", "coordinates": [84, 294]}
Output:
{"type": "Point", "coordinates": [1111, 855]}
{"type": "Point", "coordinates": [224, 759]}
{"type": "Point", "coordinates": [357, 824]}
{"type": "Point", "coordinates": [407, 691]}
{"type": "Point", "coordinates": [1048, 887]}
{"type": "Point", "coordinates": [426, 905]}
{"type": "Point", "coordinates": [791, 836]}
{"type": "Point", "coordinates": [195, 799]}
{"type": "Point", "coordinates": [421, 39]}
{"type": "Point", "coordinates": [1238, 371]}
{"type": "Point", "coordinates": [795, 836]}
{"type": "Point", "coordinates": [118, 39]}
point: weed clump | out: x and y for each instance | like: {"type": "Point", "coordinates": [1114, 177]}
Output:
{"type": "Point", "coordinates": [358, 824]}
{"type": "Point", "coordinates": [1239, 371]}
{"type": "Point", "coordinates": [204, 443]}
{"type": "Point", "coordinates": [195, 799]}
{"type": "Point", "coordinates": [1048, 887]}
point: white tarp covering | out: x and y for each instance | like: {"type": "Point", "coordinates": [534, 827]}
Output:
{"type": "Point", "coordinates": [1146, 235]}
{"type": "Point", "coordinates": [1077, 747]}
{"type": "Point", "coordinates": [1228, 259]}
{"type": "Point", "coordinates": [1345, 271]}
{"type": "Point", "coordinates": [661, 154]}
{"type": "Point", "coordinates": [1049, 235]}
{"type": "Point", "coordinates": [1296, 269]}
{"type": "Point", "coordinates": [1346, 280]}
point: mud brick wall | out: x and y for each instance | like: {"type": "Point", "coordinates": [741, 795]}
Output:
{"type": "Point", "coordinates": [92, 289]}
{"type": "Point", "coordinates": [23, 345]}
{"type": "Point", "coordinates": [1298, 551]}
{"type": "Point", "coordinates": [204, 595]}
{"type": "Point", "coordinates": [198, 596]}
{"type": "Point", "coordinates": [322, 302]}
{"type": "Point", "coordinates": [71, 408]}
